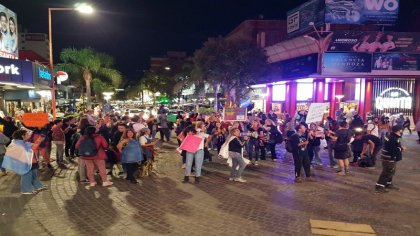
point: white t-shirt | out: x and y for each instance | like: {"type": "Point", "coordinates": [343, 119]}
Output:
{"type": "Point", "coordinates": [143, 140]}
{"type": "Point", "coordinates": [203, 136]}
{"type": "Point", "coordinates": [373, 129]}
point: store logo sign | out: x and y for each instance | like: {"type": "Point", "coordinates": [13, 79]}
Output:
{"type": "Point", "coordinates": [9, 70]}
{"type": "Point", "coordinates": [378, 5]}
{"type": "Point", "coordinates": [293, 22]}
{"type": "Point", "coordinates": [44, 73]}
{"type": "Point", "coordinates": [394, 98]}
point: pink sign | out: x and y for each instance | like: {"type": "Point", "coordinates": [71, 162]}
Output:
{"type": "Point", "coordinates": [191, 143]}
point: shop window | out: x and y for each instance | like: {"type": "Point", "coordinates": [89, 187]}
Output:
{"type": "Point", "coordinates": [279, 92]}
{"type": "Point", "coordinates": [304, 91]}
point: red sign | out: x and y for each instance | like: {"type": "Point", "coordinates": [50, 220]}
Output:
{"type": "Point", "coordinates": [191, 143]}
{"type": "Point", "coordinates": [35, 120]}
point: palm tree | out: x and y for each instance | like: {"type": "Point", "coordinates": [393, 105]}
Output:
{"type": "Point", "coordinates": [87, 65]}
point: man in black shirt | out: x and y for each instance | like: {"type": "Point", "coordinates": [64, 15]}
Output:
{"type": "Point", "coordinates": [375, 144]}
{"type": "Point", "coordinates": [299, 144]}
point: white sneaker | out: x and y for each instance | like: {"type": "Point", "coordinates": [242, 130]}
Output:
{"type": "Point", "coordinates": [240, 180]}
{"type": "Point", "coordinates": [231, 179]}
{"type": "Point", "coordinates": [92, 184]}
{"type": "Point", "coordinates": [106, 184]}
{"type": "Point", "coordinates": [28, 193]}
{"type": "Point", "coordinates": [256, 163]}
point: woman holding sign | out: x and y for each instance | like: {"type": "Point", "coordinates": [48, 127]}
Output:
{"type": "Point", "coordinates": [194, 143]}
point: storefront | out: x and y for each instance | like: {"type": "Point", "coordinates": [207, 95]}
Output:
{"type": "Point", "coordinates": [20, 86]}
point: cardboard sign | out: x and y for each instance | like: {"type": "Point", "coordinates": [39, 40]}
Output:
{"type": "Point", "coordinates": [191, 143]}
{"type": "Point", "coordinates": [316, 112]}
{"type": "Point", "coordinates": [234, 114]}
{"type": "Point", "coordinates": [35, 120]}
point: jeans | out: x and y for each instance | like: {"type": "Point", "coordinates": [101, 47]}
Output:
{"type": "Point", "coordinates": [59, 153]}
{"type": "Point", "coordinates": [330, 144]}
{"type": "Point", "coordinates": [388, 171]}
{"type": "Point", "coordinates": [301, 159]}
{"type": "Point", "coordinates": [316, 150]}
{"type": "Point", "coordinates": [30, 182]}
{"type": "Point", "coordinates": [198, 157]}
{"type": "Point", "coordinates": [237, 161]}
{"type": "Point", "coordinates": [253, 149]}
{"type": "Point", "coordinates": [90, 167]}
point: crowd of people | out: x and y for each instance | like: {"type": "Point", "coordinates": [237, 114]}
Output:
{"type": "Point", "coordinates": [127, 146]}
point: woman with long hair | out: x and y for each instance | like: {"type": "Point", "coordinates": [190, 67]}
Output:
{"type": "Point", "coordinates": [96, 159]}
{"type": "Point", "coordinates": [131, 153]}
{"type": "Point", "coordinates": [20, 157]}
{"type": "Point", "coordinates": [11, 43]}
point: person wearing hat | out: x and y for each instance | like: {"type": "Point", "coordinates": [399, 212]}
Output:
{"type": "Point", "coordinates": [391, 154]}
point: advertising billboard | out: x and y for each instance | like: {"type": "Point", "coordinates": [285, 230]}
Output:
{"type": "Point", "coordinates": [298, 19]}
{"type": "Point", "coordinates": [371, 41]}
{"type": "Point", "coordinates": [384, 12]}
{"type": "Point", "coordinates": [8, 31]}
{"type": "Point", "coordinates": [348, 62]}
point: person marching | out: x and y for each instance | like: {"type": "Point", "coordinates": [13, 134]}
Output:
{"type": "Point", "coordinates": [391, 154]}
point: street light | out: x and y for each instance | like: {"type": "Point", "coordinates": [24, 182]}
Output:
{"type": "Point", "coordinates": [321, 43]}
{"type": "Point", "coordinates": [82, 8]}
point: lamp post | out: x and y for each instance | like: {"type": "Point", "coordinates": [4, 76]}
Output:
{"type": "Point", "coordinates": [321, 43]}
{"type": "Point", "coordinates": [82, 8]}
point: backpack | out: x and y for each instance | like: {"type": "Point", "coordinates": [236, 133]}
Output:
{"type": "Point", "coordinates": [87, 148]}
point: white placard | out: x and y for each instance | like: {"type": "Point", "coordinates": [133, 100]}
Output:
{"type": "Point", "coordinates": [316, 112]}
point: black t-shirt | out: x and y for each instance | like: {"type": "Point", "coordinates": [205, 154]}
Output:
{"type": "Point", "coordinates": [343, 135]}
{"type": "Point", "coordinates": [235, 146]}
{"type": "Point", "coordinates": [377, 141]}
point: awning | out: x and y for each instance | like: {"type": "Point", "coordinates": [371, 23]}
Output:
{"type": "Point", "coordinates": [296, 47]}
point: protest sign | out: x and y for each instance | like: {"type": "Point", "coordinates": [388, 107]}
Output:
{"type": "Point", "coordinates": [191, 143]}
{"type": "Point", "coordinates": [316, 112]}
{"type": "Point", "coordinates": [234, 114]}
{"type": "Point", "coordinates": [35, 120]}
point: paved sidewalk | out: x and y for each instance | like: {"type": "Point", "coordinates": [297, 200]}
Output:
{"type": "Point", "coordinates": [269, 204]}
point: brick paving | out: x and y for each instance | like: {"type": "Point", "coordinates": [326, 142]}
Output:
{"type": "Point", "coordinates": [269, 204]}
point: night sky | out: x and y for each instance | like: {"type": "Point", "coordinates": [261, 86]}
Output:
{"type": "Point", "coordinates": [134, 30]}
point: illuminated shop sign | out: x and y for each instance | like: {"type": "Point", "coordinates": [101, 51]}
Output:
{"type": "Point", "coordinates": [44, 73]}
{"type": "Point", "coordinates": [9, 69]}
{"type": "Point", "coordinates": [394, 98]}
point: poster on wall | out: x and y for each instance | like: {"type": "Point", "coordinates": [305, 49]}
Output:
{"type": "Point", "coordinates": [396, 61]}
{"type": "Point", "coordinates": [384, 12]}
{"type": "Point", "coordinates": [371, 41]}
{"type": "Point", "coordinates": [8, 31]}
{"type": "Point", "coordinates": [350, 62]}
{"type": "Point", "coordinates": [234, 114]}
{"type": "Point", "coordinates": [298, 19]}
{"type": "Point", "coordinates": [316, 112]}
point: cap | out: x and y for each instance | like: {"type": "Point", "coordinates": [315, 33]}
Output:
{"type": "Point", "coordinates": [396, 128]}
